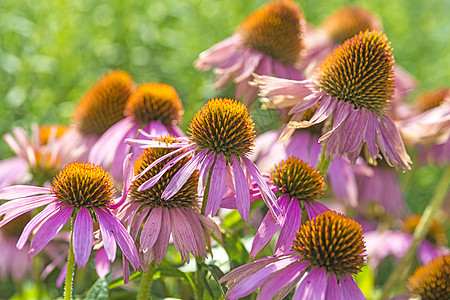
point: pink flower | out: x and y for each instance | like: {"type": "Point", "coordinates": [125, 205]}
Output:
{"type": "Point", "coordinates": [156, 219]}
{"type": "Point", "coordinates": [268, 42]}
{"type": "Point", "coordinates": [80, 191]}
{"type": "Point", "coordinates": [358, 104]}
{"type": "Point", "coordinates": [155, 108]}
{"type": "Point", "coordinates": [221, 137]}
{"type": "Point", "coordinates": [323, 269]}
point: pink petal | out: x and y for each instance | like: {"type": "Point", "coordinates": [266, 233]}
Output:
{"type": "Point", "coordinates": [332, 291]}
{"type": "Point", "coordinates": [349, 289]}
{"type": "Point", "coordinates": [290, 227]}
{"type": "Point", "coordinates": [49, 228]}
{"type": "Point", "coordinates": [353, 131]}
{"type": "Point", "coordinates": [242, 189]}
{"type": "Point", "coordinates": [339, 116]}
{"type": "Point", "coordinates": [251, 61]}
{"type": "Point", "coordinates": [211, 226]}
{"type": "Point", "coordinates": [217, 185]}
{"type": "Point", "coordinates": [83, 234]}
{"type": "Point", "coordinates": [102, 265]}
{"type": "Point", "coordinates": [160, 247]}
{"type": "Point", "coordinates": [137, 224]}
{"type": "Point", "coordinates": [15, 208]}
{"type": "Point", "coordinates": [315, 208]}
{"type": "Point", "coordinates": [21, 191]}
{"type": "Point", "coordinates": [180, 178]}
{"type": "Point", "coordinates": [306, 103]}
{"type": "Point", "coordinates": [185, 231]}
{"type": "Point", "coordinates": [128, 172]}
{"type": "Point", "coordinates": [151, 229]}
{"type": "Point", "coordinates": [313, 286]}
{"type": "Point", "coordinates": [204, 170]}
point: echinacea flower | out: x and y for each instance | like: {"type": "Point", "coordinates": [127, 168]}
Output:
{"type": "Point", "coordinates": [221, 137]}
{"type": "Point", "coordinates": [431, 281]}
{"type": "Point", "coordinates": [429, 129]}
{"type": "Point", "coordinates": [81, 191]}
{"type": "Point", "coordinates": [298, 184]}
{"type": "Point", "coordinates": [39, 157]}
{"type": "Point", "coordinates": [156, 219]}
{"type": "Point", "coordinates": [102, 106]}
{"type": "Point", "coordinates": [268, 42]}
{"type": "Point", "coordinates": [397, 242]}
{"type": "Point", "coordinates": [155, 108]}
{"type": "Point", "coordinates": [325, 254]}
{"type": "Point", "coordinates": [354, 86]}
{"type": "Point", "coordinates": [342, 25]}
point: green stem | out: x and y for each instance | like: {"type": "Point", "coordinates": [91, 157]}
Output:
{"type": "Point", "coordinates": [70, 269]}
{"type": "Point", "coordinates": [199, 284]}
{"type": "Point", "coordinates": [402, 269]}
{"type": "Point", "coordinates": [324, 162]}
{"type": "Point", "coordinates": [146, 282]}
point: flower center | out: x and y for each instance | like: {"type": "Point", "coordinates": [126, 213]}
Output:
{"type": "Point", "coordinates": [298, 179]}
{"type": "Point", "coordinates": [432, 99]}
{"type": "Point", "coordinates": [15, 227]}
{"type": "Point", "coordinates": [332, 241]}
{"type": "Point", "coordinates": [155, 102]}
{"type": "Point", "coordinates": [83, 184]}
{"type": "Point", "coordinates": [103, 105]}
{"type": "Point", "coordinates": [431, 281]}
{"type": "Point", "coordinates": [360, 72]}
{"type": "Point", "coordinates": [186, 196]}
{"type": "Point", "coordinates": [436, 234]}
{"type": "Point", "coordinates": [348, 22]}
{"type": "Point", "coordinates": [275, 30]}
{"type": "Point", "coordinates": [223, 126]}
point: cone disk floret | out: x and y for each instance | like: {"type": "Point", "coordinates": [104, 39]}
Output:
{"type": "Point", "coordinates": [223, 126]}
{"type": "Point", "coordinates": [275, 30]}
{"type": "Point", "coordinates": [436, 234]}
{"type": "Point", "coordinates": [103, 105]}
{"type": "Point", "coordinates": [348, 22]}
{"type": "Point", "coordinates": [155, 102]}
{"type": "Point", "coordinates": [83, 184]}
{"type": "Point", "coordinates": [360, 72]}
{"type": "Point", "coordinates": [186, 197]}
{"type": "Point", "coordinates": [298, 179]}
{"type": "Point", "coordinates": [432, 99]}
{"type": "Point", "coordinates": [332, 241]}
{"type": "Point", "coordinates": [431, 281]}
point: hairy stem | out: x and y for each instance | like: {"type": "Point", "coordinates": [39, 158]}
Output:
{"type": "Point", "coordinates": [146, 282]}
{"type": "Point", "coordinates": [70, 269]}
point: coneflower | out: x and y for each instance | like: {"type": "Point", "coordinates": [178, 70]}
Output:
{"type": "Point", "coordinates": [299, 187]}
{"type": "Point", "coordinates": [326, 252]}
{"type": "Point", "coordinates": [268, 42]}
{"type": "Point", "coordinates": [155, 108]}
{"type": "Point", "coordinates": [354, 85]}
{"type": "Point", "coordinates": [221, 136]}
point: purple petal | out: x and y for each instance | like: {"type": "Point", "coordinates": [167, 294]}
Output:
{"type": "Point", "coordinates": [370, 134]}
{"type": "Point", "coordinates": [137, 224]}
{"type": "Point", "coordinates": [339, 116]}
{"type": "Point", "coordinates": [332, 291]}
{"type": "Point", "coordinates": [306, 103]}
{"type": "Point", "coordinates": [217, 185]}
{"type": "Point", "coordinates": [204, 170]}
{"type": "Point", "coordinates": [269, 197]}
{"type": "Point", "coordinates": [102, 265]}
{"type": "Point", "coordinates": [249, 66]}
{"type": "Point", "coordinates": [353, 131]}
{"type": "Point", "coordinates": [49, 228]}
{"type": "Point", "coordinates": [313, 286]}
{"type": "Point", "coordinates": [160, 247]}
{"type": "Point", "coordinates": [349, 289]}
{"type": "Point", "coordinates": [180, 178]}
{"type": "Point", "coordinates": [83, 234]}
{"type": "Point", "coordinates": [315, 208]}
{"type": "Point", "coordinates": [115, 230]}
{"type": "Point", "coordinates": [290, 227]}
{"type": "Point", "coordinates": [185, 231]}
{"type": "Point", "coordinates": [128, 169]}
{"type": "Point", "coordinates": [50, 210]}
{"type": "Point", "coordinates": [242, 189]}
{"type": "Point", "coordinates": [152, 181]}
{"type": "Point", "coordinates": [21, 191]}
{"type": "Point", "coordinates": [280, 284]}
{"type": "Point", "coordinates": [15, 208]}
{"type": "Point", "coordinates": [151, 229]}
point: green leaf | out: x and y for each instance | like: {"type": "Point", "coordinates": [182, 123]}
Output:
{"type": "Point", "coordinates": [235, 249]}
{"type": "Point", "coordinates": [217, 273]}
{"type": "Point", "coordinates": [99, 290]}
{"type": "Point", "coordinates": [365, 281]}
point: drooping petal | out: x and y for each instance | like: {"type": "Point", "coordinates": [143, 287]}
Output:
{"type": "Point", "coordinates": [102, 265]}
{"type": "Point", "coordinates": [15, 208]}
{"type": "Point", "coordinates": [185, 231]}
{"type": "Point", "coordinates": [278, 286]}
{"type": "Point", "coordinates": [217, 185]}
{"type": "Point", "coordinates": [21, 191]}
{"type": "Point", "coordinates": [83, 233]}
{"type": "Point", "coordinates": [160, 247]}
{"type": "Point", "coordinates": [349, 289]}
{"type": "Point", "coordinates": [332, 291]}
{"type": "Point", "coordinates": [353, 131]}
{"type": "Point", "coordinates": [50, 210]}
{"type": "Point", "coordinates": [128, 178]}
{"type": "Point", "coordinates": [180, 178]}
{"type": "Point", "coordinates": [204, 171]}
{"type": "Point", "coordinates": [315, 208]}
{"type": "Point", "coordinates": [290, 227]}
{"type": "Point", "coordinates": [49, 229]}
{"type": "Point", "coordinates": [242, 189]}
{"type": "Point", "coordinates": [151, 228]}
{"type": "Point", "coordinates": [306, 103]}
{"type": "Point", "coordinates": [313, 286]}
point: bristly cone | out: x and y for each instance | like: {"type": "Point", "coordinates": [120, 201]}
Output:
{"type": "Point", "coordinates": [332, 241]}
{"type": "Point", "coordinates": [360, 72]}
{"type": "Point", "coordinates": [275, 30]}
{"type": "Point", "coordinates": [103, 105]}
{"type": "Point", "coordinates": [155, 102]}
